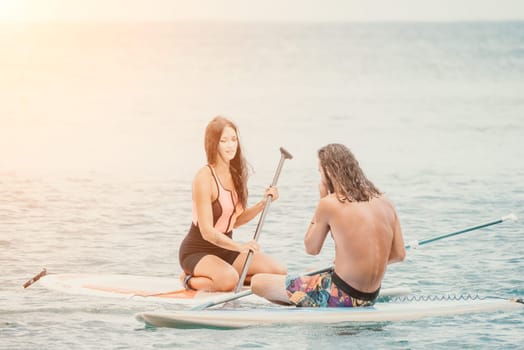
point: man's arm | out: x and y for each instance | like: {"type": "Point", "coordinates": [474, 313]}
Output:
{"type": "Point", "coordinates": [398, 250]}
{"type": "Point", "coordinates": [318, 229]}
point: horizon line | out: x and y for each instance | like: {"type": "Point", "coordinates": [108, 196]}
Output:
{"type": "Point", "coordinates": [243, 21]}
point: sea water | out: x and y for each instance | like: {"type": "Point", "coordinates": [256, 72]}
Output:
{"type": "Point", "coordinates": [101, 133]}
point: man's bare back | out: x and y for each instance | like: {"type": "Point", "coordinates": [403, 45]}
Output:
{"type": "Point", "coordinates": [367, 237]}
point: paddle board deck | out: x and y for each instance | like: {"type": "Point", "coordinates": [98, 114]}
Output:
{"type": "Point", "coordinates": [157, 289]}
{"type": "Point", "coordinates": [380, 312]}
{"type": "Point", "coordinates": [147, 288]}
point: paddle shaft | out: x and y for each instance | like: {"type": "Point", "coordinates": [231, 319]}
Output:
{"type": "Point", "coordinates": [415, 244]}
{"type": "Point", "coordinates": [283, 156]}
{"type": "Point", "coordinates": [35, 278]}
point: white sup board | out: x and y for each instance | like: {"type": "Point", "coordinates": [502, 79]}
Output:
{"type": "Point", "coordinates": [158, 289]}
{"type": "Point", "coordinates": [380, 312]}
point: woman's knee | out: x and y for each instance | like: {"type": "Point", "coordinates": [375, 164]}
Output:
{"type": "Point", "coordinates": [223, 276]}
{"type": "Point", "coordinates": [280, 269]}
{"type": "Point", "coordinates": [265, 264]}
{"type": "Point", "coordinates": [226, 280]}
{"type": "Point", "coordinates": [274, 267]}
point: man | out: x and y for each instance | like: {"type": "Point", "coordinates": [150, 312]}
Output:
{"type": "Point", "coordinates": [367, 235]}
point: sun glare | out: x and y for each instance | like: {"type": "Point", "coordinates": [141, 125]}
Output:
{"type": "Point", "coordinates": [11, 9]}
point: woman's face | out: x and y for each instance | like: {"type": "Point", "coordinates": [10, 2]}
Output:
{"type": "Point", "coordinates": [228, 144]}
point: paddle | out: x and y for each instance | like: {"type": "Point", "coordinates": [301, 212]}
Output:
{"type": "Point", "coordinates": [35, 278]}
{"type": "Point", "coordinates": [283, 156]}
{"type": "Point", "coordinates": [413, 244]}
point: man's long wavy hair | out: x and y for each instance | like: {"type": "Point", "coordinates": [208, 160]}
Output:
{"type": "Point", "coordinates": [238, 165]}
{"type": "Point", "coordinates": [345, 177]}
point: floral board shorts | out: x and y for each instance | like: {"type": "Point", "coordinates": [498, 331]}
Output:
{"type": "Point", "coordinates": [326, 290]}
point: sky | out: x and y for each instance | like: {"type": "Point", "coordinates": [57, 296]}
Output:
{"type": "Point", "coordinates": [263, 10]}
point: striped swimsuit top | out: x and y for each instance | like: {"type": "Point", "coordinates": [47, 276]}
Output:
{"type": "Point", "coordinates": [225, 212]}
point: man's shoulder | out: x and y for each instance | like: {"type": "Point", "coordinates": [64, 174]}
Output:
{"type": "Point", "coordinates": [385, 200]}
{"type": "Point", "coordinates": [385, 205]}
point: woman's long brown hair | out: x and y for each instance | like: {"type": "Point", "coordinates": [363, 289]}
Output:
{"type": "Point", "coordinates": [344, 174]}
{"type": "Point", "coordinates": [238, 165]}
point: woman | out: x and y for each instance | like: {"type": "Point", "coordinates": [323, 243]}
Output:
{"type": "Point", "coordinates": [210, 259]}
